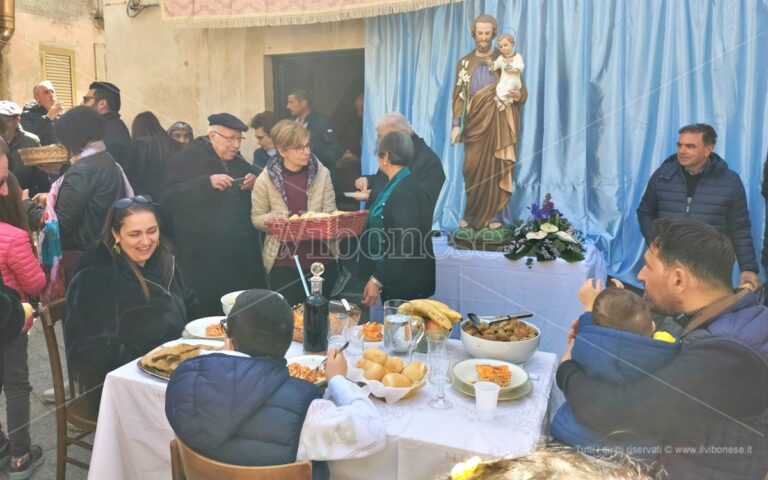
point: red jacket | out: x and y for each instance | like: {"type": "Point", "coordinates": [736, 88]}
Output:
{"type": "Point", "coordinates": [18, 264]}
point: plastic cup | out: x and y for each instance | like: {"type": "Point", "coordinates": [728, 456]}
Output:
{"type": "Point", "coordinates": [486, 398]}
{"type": "Point", "coordinates": [337, 341]}
{"type": "Point", "coordinates": [356, 342]}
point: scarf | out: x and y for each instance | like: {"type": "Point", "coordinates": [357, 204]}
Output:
{"type": "Point", "coordinates": [375, 221]}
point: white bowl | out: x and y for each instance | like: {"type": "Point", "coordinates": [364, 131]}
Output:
{"type": "Point", "coordinates": [514, 352]}
{"type": "Point", "coordinates": [228, 301]}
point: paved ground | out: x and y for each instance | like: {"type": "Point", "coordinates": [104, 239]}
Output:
{"type": "Point", "coordinates": [43, 417]}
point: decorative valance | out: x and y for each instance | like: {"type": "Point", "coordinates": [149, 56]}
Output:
{"type": "Point", "coordinates": [255, 13]}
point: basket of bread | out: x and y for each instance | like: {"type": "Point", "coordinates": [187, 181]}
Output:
{"type": "Point", "coordinates": [318, 225]}
{"type": "Point", "coordinates": [388, 377]}
{"type": "Point", "coordinates": [49, 158]}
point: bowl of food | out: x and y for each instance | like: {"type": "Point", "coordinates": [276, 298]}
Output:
{"type": "Point", "coordinates": [511, 340]}
{"type": "Point", "coordinates": [207, 327]}
{"type": "Point", "coordinates": [228, 301]}
{"type": "Point", "coordinates": [308, 367]}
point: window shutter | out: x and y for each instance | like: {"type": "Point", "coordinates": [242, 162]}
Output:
{"type": "Point", "coordinates": [58, 66]}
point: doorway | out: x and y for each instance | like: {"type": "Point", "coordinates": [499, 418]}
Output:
{"type": "Point", "coordinates": [333, 81]}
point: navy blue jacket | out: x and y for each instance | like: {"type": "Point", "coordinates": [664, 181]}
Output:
{"type": "Point", "coordinates": [240, 410]}
{"type": "Point", "coordinates": [617, 357]}
{"type": "Point", "coordinates": [713, 394]}
{"type": "Point", "coordinates": [719, 200]}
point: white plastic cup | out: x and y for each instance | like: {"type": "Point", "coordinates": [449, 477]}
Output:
{"type": "Point", "coordinates": [486, 398]}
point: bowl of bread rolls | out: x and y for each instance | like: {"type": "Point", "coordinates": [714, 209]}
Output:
{"type": "Point", "coordinates": [388, 377]}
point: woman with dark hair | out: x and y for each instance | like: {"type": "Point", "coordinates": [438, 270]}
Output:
{"type": "Point", "coordinates": [397, 248]}
{"type": "Point", "coordinates": [152, 147]}
{"type": "Point", "coordinates": [83, 195]}
{"type": "Point", "coordinates": [21, 272]}
{"type": "Point", "coordinates": [126, 297]}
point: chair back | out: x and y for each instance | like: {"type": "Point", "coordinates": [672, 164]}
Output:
{"type": "Point", "coordinates": [50, 314]}
{"type": "Point", "coordinates": [190, 465]}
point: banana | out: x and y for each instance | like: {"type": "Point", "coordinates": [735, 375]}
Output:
{"type": "Point", "coordinates": [452, 315]}
{"type": "Point", "coordinates": [427, 310]}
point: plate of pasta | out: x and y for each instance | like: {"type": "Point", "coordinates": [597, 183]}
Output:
{"type": "Point", "coordinates": [512, 379]}
{"type": "Point", "coordinates": [307, 367]}
{"type": "Point", "coordinates": [207, 327]}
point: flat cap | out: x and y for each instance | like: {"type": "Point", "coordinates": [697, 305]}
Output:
{"type": "Point", "coordinates": [9, 108]}
{"type": "Point", "coordinates": [227, 120]}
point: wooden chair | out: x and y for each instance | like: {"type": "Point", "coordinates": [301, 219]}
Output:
{"type": "Point", "coordinates": [186, 464]}
{"type": "Point", "coordinates": [75, 412]}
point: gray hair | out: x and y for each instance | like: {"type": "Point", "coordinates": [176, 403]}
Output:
{"type": "Point", "coordinates": [44, 84]}
{"type": "Point", "coordinates": [398, 145]}
{"type": "Point", "coordinates": [394, 121]}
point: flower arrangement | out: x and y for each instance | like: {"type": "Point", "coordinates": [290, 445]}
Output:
{"type": "Point", "coordinates": [463, 83]}
{"type": "Point", "coordinates": [546, 235]}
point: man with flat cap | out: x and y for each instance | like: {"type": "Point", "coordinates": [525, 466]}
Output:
{"type": "Point", "coordinates": [208, 197]}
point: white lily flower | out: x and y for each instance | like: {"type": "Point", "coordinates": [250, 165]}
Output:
{"type": "Point", "coordinates": [566, 236]}
{"type": "Point", "coordinates": [548, 227]}
{"type": "Point", "coordinates": [535, 235]}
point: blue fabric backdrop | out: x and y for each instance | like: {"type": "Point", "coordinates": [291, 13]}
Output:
{"type": "Point", "coordinates": [609, 81]}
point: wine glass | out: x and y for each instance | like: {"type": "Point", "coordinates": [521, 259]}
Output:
{"type": "Point", "coordinates": [439, 358]}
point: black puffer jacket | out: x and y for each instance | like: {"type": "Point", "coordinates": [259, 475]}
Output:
{"type": "Point", "coordinates": [719, 200]}
{"type": "Point", "coordinates": [31, 178]}
{"type": "Point", "coordinates": [87, 192]}
{"type": "Point", "coordinates": [109, 322]}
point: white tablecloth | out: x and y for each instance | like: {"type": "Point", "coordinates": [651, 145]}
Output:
{"type": "Point", "coordinates": [133, 435]}
{"type": "Point", "coordinates": [487, 283]}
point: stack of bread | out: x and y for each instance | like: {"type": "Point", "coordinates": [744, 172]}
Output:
{"type": "Point", "coordinates": [438, 317]}
{"type": "Point", "coordinates": [388, 376]}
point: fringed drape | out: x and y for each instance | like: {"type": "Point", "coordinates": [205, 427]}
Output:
{"type": "Point", "coordinates": [249, 13]}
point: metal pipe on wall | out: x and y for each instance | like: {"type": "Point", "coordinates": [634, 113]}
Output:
{"type": "Point", "coordinates": [7, 21]}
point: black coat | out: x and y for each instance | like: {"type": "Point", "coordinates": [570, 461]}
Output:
{"type": "Point", "coordinates": [719, 200]}
{"type": "Point", "coordinates": [86, 194]}
{"type": "Point", "coordinates": [408, 270]}
{"type": "Point", "coordinates": [150, 158]}
{"type": "Point", "coordinates": [34, 120]}
{"type": "Point", "coordinates": [425, 166]}
{"type": "Point", "coordinates": [109, 322]}
{"type": "Point", "coordinates": [118, 141]}
{"type": "Point", "coordinates": [324, 144]}
{"type": "Point", "coordinates": [216, 243]}
{"type": "Point", "coordinates": [31, 178]}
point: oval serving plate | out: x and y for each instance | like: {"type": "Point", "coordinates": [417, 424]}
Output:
{"type": "Point", "coordinates": [163, 375]}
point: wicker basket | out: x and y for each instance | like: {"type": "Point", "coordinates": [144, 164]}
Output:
{"type": "Point", "coordinates": [338, 226]}
{"type": "Point", "coordinates": [48, 155]}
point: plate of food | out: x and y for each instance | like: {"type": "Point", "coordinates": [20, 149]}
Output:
{"type": "Point", "coordinates": [372, 332]}
{"type": "Point", "coordinates": [360, 195]}
{"type": "Point", "coordinates": [207, 327]}
{"type": "Point", "coordinates": [506, 375]}
{"type": "Point", "coordinates": [162, 361]}
{"type": "Point", "coordinates": [307, 367]}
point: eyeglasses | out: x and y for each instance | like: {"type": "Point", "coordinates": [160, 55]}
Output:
{"type": "Point", "coordinates": [128, 201]}
{"type": "Point", "coordinates": [86, 98]}
{"type": "Point", "coordinates": [2, 181]}
{"type": "Point", "coordinates": [229, 139]}
{"type": "Point", "coordinates": [223, 325]}
{"type": "Point", "coordinates": [301, 147]}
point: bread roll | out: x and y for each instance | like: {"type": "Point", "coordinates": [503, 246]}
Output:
{"type": "Point", "coordinates": [363, 363]}
{"type": "Point", "coordinates": [396, 380]}
{"type": "Point", "coordinates": [394, 364]}
{"type": "Point", "coordinates": [375, 355]}
{"type": "Point", "coordinates": [374, 371]}
{"type": "Point", "coordinates": [415, 370]}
